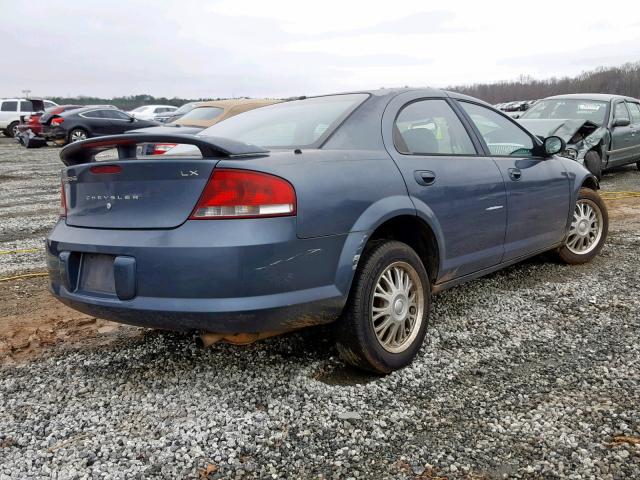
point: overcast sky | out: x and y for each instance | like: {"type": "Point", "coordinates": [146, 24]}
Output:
{"type": "Point", "coordinates": [272, 48]}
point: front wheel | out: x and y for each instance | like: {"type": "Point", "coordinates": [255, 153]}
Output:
{"type": "Point", "coordinates": [384, 322]}
{"type": "Point", "coordinates": [593, 162]}
{"type": "Point", "coordinates": [588, 230]}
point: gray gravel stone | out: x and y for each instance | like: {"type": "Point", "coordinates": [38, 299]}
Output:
{"type": "Point", "coordinates": [528, 373]}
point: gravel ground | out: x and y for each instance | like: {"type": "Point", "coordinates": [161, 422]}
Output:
{"type": "Point", "coordinates": [530, 372]}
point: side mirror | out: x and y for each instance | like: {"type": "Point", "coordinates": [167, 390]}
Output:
{"type": "Point", "coordinates": [132, 119]}
{"type": "Point", "coordinates": [553, 145]}
{"type": "Point", "coordinates": [621, 122]}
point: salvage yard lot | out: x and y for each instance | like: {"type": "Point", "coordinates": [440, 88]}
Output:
{"type": "Point", "coordinates": [532, 371]}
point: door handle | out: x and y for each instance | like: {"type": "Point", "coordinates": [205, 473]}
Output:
{"type": "Point", "coordinates": [424, 177]}
{"type": "Point", "coordinates": [515, 174]}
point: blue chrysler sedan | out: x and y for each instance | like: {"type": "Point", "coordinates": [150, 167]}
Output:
{"type": "Point", "coordinates": [352, 208]}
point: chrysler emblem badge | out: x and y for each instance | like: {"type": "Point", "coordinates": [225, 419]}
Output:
{"type": "Point", "coordinates": [108, 206]}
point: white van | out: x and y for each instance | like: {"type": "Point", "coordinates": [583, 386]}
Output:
{"type": "Point", "coordinates": [12, 108]}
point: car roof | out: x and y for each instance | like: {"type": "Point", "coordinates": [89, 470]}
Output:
{"type": "Point", "coordinates": [603, 97]}
{"type": "Point", "coordinates": [91, 107]}
{"type": "Point", "coordinates": [233, 102]}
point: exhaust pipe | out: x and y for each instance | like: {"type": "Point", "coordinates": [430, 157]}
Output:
{"type": "Point", "coordinates": [207, 339]}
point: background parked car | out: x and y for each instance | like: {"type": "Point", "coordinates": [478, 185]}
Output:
{"type": "Point", "coordinates": [148, 112]}
{"type": "Point", "coordinates": [168, 117]}
{"type": "Point", "coordinates": [602, 131]}
{"type": "Point", "coordinates": [12, 108]}
{"type": "Point", "coordinates": [82, 123]}
{"type": "Point", "coordinates": [203, 115]}
{"type": "Point", "coordinates": [39, 121]}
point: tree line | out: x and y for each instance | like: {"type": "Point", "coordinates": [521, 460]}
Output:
{"type": "Point", "coordinates": [623, 80]}
{"type": "Point", "coordinates": [127, 102]}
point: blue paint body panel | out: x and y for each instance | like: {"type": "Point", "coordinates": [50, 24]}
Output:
{"type": "Point", "coordinates": [251, 275]}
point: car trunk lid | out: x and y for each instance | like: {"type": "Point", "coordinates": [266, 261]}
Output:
{"type": "Point", "coordinates": [139, 193]}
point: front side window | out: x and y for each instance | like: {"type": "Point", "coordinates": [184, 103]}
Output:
{"type": "Point", "coordinates": [634, 109]}
{"type": "Point", "coordinates": [620, 112]}
{"type": "Point", "coordinates": [26, 106]}
{"type": "Point", "coordinates": [502, 136]}
{"type": "Point", "coordinates": [431, 127]}
{"type": "Point", "coordinates": [297, 123]}
{"type": "Point", "coordinates": [115, 114]}
{"type": "Point", "coordinates": [48, 104]}
{"type": "Point", "coordinates": [10, 106]}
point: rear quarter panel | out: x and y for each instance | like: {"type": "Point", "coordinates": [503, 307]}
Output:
{"type": "Point", "coordinates": [338, 191]}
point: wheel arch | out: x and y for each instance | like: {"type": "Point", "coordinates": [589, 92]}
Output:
{"type": "Point", "coordinates": [420, 230]}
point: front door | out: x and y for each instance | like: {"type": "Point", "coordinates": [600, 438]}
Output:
{"type": "Point", "coordinates": [538, 189]}
{"type": "Point", "coordinates": [622, 137]}
{"type": "Point", "coordinates": [449, 182]}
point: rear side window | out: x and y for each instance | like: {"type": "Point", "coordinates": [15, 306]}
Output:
{"type": "Point", "coordinates": [94, 114]}
{"type": "Point", "coordinates": [297, 123]}
{"type": "Point", "coordinates": [10, 106]}
{"type": "Point", "coordinates": [431, 127]}
{"type": "Point", "coordinates": [634, 109]}
{"type": "Point", "coordinates": [26, 106]}
{"type": "Point", "coordinates": [203, 113]}
{"type": "Point", "coordinates": [503, 137]}
{"type": "Point", "coordinates": [621, 112]}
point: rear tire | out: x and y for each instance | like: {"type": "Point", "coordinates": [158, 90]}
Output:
{"type": "Point", "coordinates": [588, 230]}
{"type": "Point", "coordinates": [638, 165]}
{"type": "Point", "coordinates": [593, 162]}
{"type": "Point", "coordinates": [384, 322]}
{"type": "Point", "coordinates": [12, 130]}
{"type": "Point", "coordinates": [77, 135]}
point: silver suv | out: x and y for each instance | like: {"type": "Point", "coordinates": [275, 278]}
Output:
{"type": "Point", "coordinates": [11, 109]}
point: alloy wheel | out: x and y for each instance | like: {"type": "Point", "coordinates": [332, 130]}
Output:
{"type": "Point", "coordinates": [78, 135]}
{"type": "Point", "coordinates": [397, 308]}
{"type": "Point", "coordinates": [586, 227]}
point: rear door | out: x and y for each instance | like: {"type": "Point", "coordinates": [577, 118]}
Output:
{"type": "Point", "coordinates": [622, 137]}
{"type": "Point", "coordinates": [538, 189]}
{"type": "Point", "coordinates": [449, 182]}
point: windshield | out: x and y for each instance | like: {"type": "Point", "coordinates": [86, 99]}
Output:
{"type": "Point", "coordinates": [185, 108]}
{"type": "Point", "coordinates": [291, 124]}
{"type": "Point", "coordinates": [202, 113]}
{"type": "Point", "coordinates": [574, 109]}
{"type": "Point", "coordinates": [139, 109]}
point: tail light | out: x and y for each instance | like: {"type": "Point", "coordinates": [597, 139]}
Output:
{"type": "Point", "coordinates": [160, 148]}
{"type": "Point", "coordinates": [57, 121]}
{"type": "Point", "coordinates": [245, 194]}
{"type": "Point", "coordinates": [63, 201]}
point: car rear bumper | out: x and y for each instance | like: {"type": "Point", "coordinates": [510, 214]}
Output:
{"type": "Point", "coordinates": [226, 276]}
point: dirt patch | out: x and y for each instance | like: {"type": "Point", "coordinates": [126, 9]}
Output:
{"type": "Point", "coordinates": [624, 211]}
{"type": "Point", "coordinates": [32, 321]}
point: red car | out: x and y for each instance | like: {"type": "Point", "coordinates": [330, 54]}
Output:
{"type": "Point", "coordinates": [39, 120]}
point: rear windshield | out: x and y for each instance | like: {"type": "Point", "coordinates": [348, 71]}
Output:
{"type": "Point", "coordinates": [202, 113]}
{"type": "Point", "coordinates": [298, 123]}
{"type": "Point", "coordinates": [569, 109]}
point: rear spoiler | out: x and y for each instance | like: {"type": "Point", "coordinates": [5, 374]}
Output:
{"type": "Point", "coordinates": [86, 150]}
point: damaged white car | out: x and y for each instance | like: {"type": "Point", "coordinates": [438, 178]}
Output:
{"type": "Point", "coordinates": [601, 131]}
